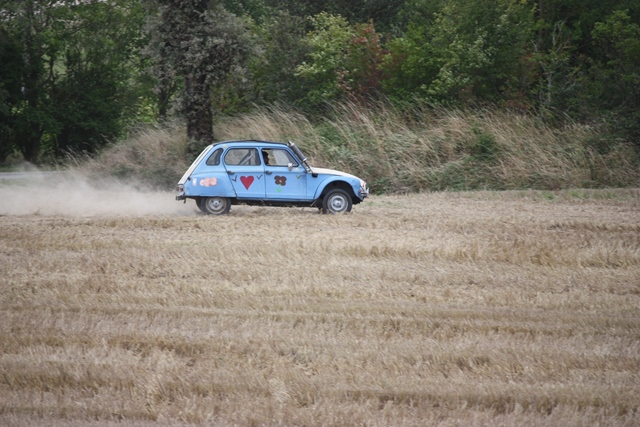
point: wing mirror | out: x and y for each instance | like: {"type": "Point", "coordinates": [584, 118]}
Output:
{"type": "Point", "coordinates": [290, 167]}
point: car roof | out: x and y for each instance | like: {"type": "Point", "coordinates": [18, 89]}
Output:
{"type": "Point", "coordinates": [245, 141]}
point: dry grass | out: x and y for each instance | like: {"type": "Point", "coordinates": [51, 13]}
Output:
{"type": "Point", "coordinates": [515, 308]}
{"type": "Point", "coordinates": [398, 151]}
{"type": "Point", "coordinates": [424, 149]}
{"type": "Point", "coordinates": [151, 158]}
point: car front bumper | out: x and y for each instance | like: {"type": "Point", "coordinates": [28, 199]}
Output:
{"type": "Point", "coordinates": [363, 191]}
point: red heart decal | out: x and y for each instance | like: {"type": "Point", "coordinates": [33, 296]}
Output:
{"type": "Point", "coordinates": [246, 181]}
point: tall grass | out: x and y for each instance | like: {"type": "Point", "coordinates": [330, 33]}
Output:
{"type": "Point", "coordinates": [406, 150]}
{"type": "Point", "coordinates": [425, 149]}
{"type": "Point", "coordinates": [152, 158]}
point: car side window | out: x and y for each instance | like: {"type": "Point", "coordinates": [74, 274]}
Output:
{"type": "Point", "coordinates": [214, 159]}
{"type": "Point", "coordinates": [279, 157]}
{"type": "Point", "coordinates": [242, 157]}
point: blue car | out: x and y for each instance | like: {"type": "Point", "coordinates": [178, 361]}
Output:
{"type": "Point", "coordinates": [265, 173]}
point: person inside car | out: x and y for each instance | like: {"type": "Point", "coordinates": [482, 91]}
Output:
{"type": "Point", "coordinates": [265, 156]}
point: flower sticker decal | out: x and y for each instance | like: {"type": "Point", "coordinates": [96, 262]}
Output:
{"type": "Point", "coordinates": [281, 180]}
{"type": "Point", "coordinates": [209, 182]}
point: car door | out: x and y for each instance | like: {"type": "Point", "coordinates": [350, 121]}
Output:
{"type": "Point", "coordinates": [246, 172]}
{"type": "Point", "coordinates": [285, 177]}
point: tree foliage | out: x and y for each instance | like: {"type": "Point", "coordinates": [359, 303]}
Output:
{"type": "Point", "coordinates": [75, 74]}
{"type": "Point", "coordinates": [465, 52]}
{"type": "Point", "coordinates": [280, 49]}
{"type": "Point", "coordinates": [328, 42]}
{"type": "Point", "coordinates": [614, 79]}
{"type": "Point", "coordinates": [10, 90]}
{"type": "Point", "coordinates": [344, 60]}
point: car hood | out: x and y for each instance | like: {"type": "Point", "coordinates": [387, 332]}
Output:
{"type": "Point", "coordinates": [324, 171]}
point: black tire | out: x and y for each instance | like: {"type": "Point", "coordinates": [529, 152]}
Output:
{"type": "Point", "coordinates": [336, 201]}
{"type": "Point", "coordinates": [200, 205]}
{"type": "Point", "coordinates": [215, 205]}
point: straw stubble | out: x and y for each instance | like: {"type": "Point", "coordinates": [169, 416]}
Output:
{"type": "Point", "coordinates": [476, 308]}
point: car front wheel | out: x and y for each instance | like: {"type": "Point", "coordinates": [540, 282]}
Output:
{"type": "Point", "coordinates": [336, 201]}
{"type": "Point", "coordinates": [215, 205]}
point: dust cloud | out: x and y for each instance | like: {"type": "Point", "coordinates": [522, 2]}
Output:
{"type": "Point", "coordinates": [69, 193]}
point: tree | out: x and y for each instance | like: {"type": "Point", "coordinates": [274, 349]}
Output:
{"type": "Point", "coordinates": [344, 60]}
{"type": "Point", "coordinates": [78, 77]}
{"type": "Point", "coordinates": [281, 48]}
{"type": "Point", "coordinates": [363, 74]}
{"type": "Point", "coordinates": [29, 22]}
{"type": "Point", "coordinates": [10, 90]}
{"type": "Point", "coordinates": [328, 43]}
{"type": "Point", "coordinates": [557, 77]}
{"type": "Point", "coordinates": [381, 12]}
{"type": "Point", "coordinates": [100, 82]}
{"type": "Point", "coordinates": [618, 40]}
{"type": "Point", "coordinates": [200, 42]}
{"type": "Point", "coordinates": [573, 56]}
{"type": "Point", "coordinates": [614, 79]}
{"type": "Point", "coordinates": [463, 52]}
{"type": "Point", "coordinates": [411, 64]}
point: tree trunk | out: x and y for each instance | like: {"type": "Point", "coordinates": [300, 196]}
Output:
{"type": "Point", "coordinates": [199, 113]}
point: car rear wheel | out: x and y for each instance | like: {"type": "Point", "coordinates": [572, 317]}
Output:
{"type": "Point", "coordinates": [336, 201]}
{"type": "Point", "coordinates": [200, 205]}
{"type": "Point", "coordinates": [215, 205]}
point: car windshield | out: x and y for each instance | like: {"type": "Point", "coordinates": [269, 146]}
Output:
{"type": "Point", "coordinates": [301, 156]}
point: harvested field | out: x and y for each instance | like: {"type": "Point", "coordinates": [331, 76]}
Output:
{"type": "Point", "coordinates": [480, 308]}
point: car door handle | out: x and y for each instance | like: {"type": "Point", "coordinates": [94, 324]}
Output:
{"type": "Point", "coordinates": [268, 172]}
{"type": "Point", "coordinates": [230, 172]}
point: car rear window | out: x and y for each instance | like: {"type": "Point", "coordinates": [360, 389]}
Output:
{"type": "Point", "coordinates": [214, 159]}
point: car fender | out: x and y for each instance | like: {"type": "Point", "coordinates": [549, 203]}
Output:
{"type": "Point", "coordinates": [209, 184]}
{"type": "Point", "coordinates": [326, 181]}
